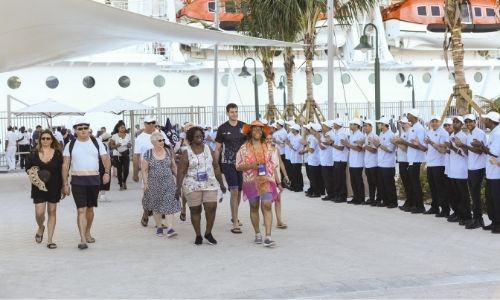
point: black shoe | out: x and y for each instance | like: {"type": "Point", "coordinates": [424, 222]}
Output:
{"type": "Point", "coordinates": [340, 200]}
{"type": "Point", "coordinates": [198, 240]}
{"type": "Point", "coordinates": [392, 205]}
{"type": "Point", "coordinates": [432, 211]}
{"type": "Point", "coordinates": [453, 218]}
{"type": "Point", "coordinates": [352, 202]}
{"type": "Point", "coordinates": [495, 229]}
{"type": "Point", "coordinates": [488, 227]}
{"type": "Point", "coordinates": [443, 214]}
{"type": "Point", "coordinates": [404, 208]}
{"type": "Point", "coordinates": [210, 239]}
{"type": "Point", "coordinates": [478, 222]}
{"type": "Point", "coordinates": [327, 198]}
{"type": "Point", "coordinates": [381, 204]}
{"type": "Point", "coordinates": [417, 210]}
{"type": "Point", "coordinates": [369, 202]}
{"type": "Point", "coordinates": [465, 222]}
{"type": "Point", "coordinates": [314, 196]}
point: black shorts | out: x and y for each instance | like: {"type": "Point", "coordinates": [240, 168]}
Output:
{"type": "Point", "coordinates": [234, 178]}
{"type": "Point", "coordinates": [85, 196]}
{"type": "Point", "coordinates": [43, 200]}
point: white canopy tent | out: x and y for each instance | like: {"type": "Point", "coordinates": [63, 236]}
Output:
{"type": "Point", "coordinates": [34, 31]}
{"type": "Point", "coordinates": [119, 105]}
{"type": "Point", "coordinates": [49, 109]}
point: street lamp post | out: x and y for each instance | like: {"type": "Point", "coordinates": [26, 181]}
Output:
{"type": "Point", "coordinates": [245, 73]}
{"type": "Point", "coordinates": [412, 85]}
{"type": "Point", "coordinates": [364, 46]}
{"type": "Point", "coordinates": [281, 86]}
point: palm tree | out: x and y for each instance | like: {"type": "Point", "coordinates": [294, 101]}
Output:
{"type": "Point", "coordinates": [490, 104]}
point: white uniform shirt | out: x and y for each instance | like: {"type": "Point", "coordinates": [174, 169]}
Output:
{"type": "Point", "coordinates": [447, 157]}
{"type": "Point", "coordinates": [458, 163]}
{"type": "Point", "coordinates": [493, 171]}
{"type": "Point", "coordinates": [356, 158]}
{"type": "Point", "coordinates": [295, 156]}
{"type": "Point", "coordinates": [59, 137]}
{"type": "Point", "coordinates": [433, 158]}
{"type": "Point", "coordinates": [288, 151]}
{"type": "Point", "coordinates": [340, 155]}
{"type": "Point", "coordinates": [313, 158]}
{"type": "Point", "coordinates": [417, 131]}
{"type": "Point", "coordinates": [476, 161]}
{"type": "Point", "coordinates": [386, 159]}
{"type": "Point", "coordinates": [12, 137]}
{"type": "Point", "coordinates": [26, 138]}
{"type": "Point", "coordinates": [326, 155]}
{"type": "Point", "coordinates": [402, 154]}
{"type": "Point", "coordinates": [370, 158]}
{"type": "Point", "coordinates": [280, 136]}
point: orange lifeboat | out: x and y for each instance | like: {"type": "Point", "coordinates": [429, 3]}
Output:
{"type": "Point", "coordinates": [477, 15]}
{"type": "Point", "coordinates": [229, 17]}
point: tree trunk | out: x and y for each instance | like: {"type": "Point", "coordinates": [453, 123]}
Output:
{"type": "Point", "coordinates": [289, 64]}
{"type": "Point", "coordinates": [269, 73]}
{"type": "Point", "coordinates": [309, 54]}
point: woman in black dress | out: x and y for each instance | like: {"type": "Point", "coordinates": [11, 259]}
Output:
{"type": "Point", "coordinates": [44, 165]}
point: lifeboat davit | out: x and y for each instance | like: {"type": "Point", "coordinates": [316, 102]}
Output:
{"type": "Point", "coordinates": [420, 19]}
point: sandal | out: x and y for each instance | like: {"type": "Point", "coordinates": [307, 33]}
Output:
{"type": "Point", "coordinates": [239, 222]}
{"type": "Point", "coordinates": [182, 216]}
{"type": "Point", "coordinates": [236, 230]}
{"type": "Point", "coordinates": [51, 246]}
{"type": "Point", "coordinates": [90, 240]}
{"type": "Point", "coordinates": [282, 226]}
{"type": "Point", "coordinates": [82, 246]}
{"type": "Point", "coordinates": [144, 221]}
{"type": "Point", "coordinates": [39, 237]}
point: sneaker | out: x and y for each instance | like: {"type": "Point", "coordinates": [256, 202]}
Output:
{"type": "Point", "coordinates": [209, 237]}
{"type": "Point", "coordinates": [258, 239]}
{"type": "Point", "coordinates": [171, 233]}
{"type": "Point", "coordinates": [269, 243]}
{"type": "Point", "coordinates": [198, 240]}
{"type": "Point", "coordinates": [159, 232]}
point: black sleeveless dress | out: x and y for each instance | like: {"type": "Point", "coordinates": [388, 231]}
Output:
{"type": "Point", "coordinates": [54, 183]}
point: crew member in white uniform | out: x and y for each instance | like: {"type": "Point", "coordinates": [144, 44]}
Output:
{"type": "Point", "coordinates": [386, 162]}
{"type": "Point", "coordinates": [356, 161]}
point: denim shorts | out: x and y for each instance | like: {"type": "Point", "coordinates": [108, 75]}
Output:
{"type": "Point", "coordinates": [267, 196]}
{"type": "Point", "coordinates": [234, 178]}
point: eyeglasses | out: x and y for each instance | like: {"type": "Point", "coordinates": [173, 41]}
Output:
{"type": "Point", "coordinates": [151, 123]}
{"type": "Point", "coordinates": [46, 138]}
{"type": "Point", "coordinates": [82, 128]}
{"type": "Point", "coordinates": [162, 140]}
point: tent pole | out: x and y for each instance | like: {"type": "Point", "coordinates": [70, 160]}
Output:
{"type": "Point", "coordinates": [9, 117]}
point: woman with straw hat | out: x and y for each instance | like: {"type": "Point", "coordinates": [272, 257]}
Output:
{"type": "Point", "coordinates": [254, 159]}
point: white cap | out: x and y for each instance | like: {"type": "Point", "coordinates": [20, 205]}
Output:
{"type": "Point", "coordinates": [492, 115]}
{"type": "Point", "coordinates": [81, 121]}
{"type": "Point", "coordinates": [383, 120]}
{"type": "Point", "coordinates": [356, 121]}
{"type": "Point", "coordinates": [448, 121]}
{"type": "Point", "coordinates": [264, 121]}
{"type": "Point", "coordinates": [338, 121]}
{"type": "Point", "coordinates": [274, 125]}
{"type": "Point", "coordinates": [149, 119]}
{"type": "Point", "coordinates": [435, 117]}
{"type": "Point", "coordinates": [328, 123]}
{"type": "Point", "coordinates": [295, 127]}
{"type": "Point", "coordinates": [369, 121]}
{"type": "Point", "coordinates": [308, 126]}
{"type": "Point", "coordinates": [291, 122]}
{"type": "Point", "coordinates": [470, 117]}
{"type": "Point", "coordinates": [404, 120]}
{"type": "Point", "coordinates": [316, 127]}
{"type": "Point", "coordinates": [414, 112]}
{"type": "Point", "coordinates": [281, 122]}
{"type": "Point", "coordinates": [460, 118]}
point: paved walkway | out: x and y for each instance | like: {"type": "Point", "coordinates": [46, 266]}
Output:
{"type": "Point", "coordinates": [329, 251]}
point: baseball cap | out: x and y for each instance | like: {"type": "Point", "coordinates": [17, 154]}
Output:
{"type": "Point", "coordinates": [338, 121]}
{"type": "Point", "coordinates": [281, 122]}
{"type": "Point", "coordinates": [448, 121]}
{"type": "Point", "coordinates": [308, 126]}
{"type": "Point", "coordinates": [356, 121]}
{"type": "Point", "coordinates": [383, 120]}
{"type": "Point", "coordinates": [460, 118]}
{"type": "Point", "coordinates": [295, 126]}
{"type": "Point", "coordinates": [328, 123]}
{"type": "Point", "coordinates": [492, 115]}
{"type": "Point", "coordinates": [470, 117]}
{"type": "Point", "coordinates": [435, 117]}
{"type": "Point", "coordinates": [414, 112]}
{"type": "Point", "coordinates": [81, 121]}
{"type": "Point", "coordinates": [149, 119]}
{"type": "Point", "coordinates": [404, 120]}
{"type": "Point", "coordinates": [316, 127]}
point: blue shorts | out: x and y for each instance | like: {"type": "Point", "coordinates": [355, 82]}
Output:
{"type": "Point", "coordinates": [267, 196]}
{"type": "Point", "coordinates": [234, 178]}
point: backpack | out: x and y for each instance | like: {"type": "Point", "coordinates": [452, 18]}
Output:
{"type": "Point", "coordinates": [94, 141]}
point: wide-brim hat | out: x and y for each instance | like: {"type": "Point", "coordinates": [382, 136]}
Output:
{"type": "Point", "coordinates": [247, 128]}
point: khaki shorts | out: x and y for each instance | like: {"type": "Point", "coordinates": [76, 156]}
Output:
{"type": "Point", "coordinates": [197, 198]}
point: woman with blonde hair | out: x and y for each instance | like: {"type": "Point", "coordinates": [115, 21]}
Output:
{"type": "Point", "coordinates": [260, 184]}
{"type": "Point", "coordinates": [44, 167]}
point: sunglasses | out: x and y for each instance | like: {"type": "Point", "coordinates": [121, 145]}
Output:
{"type": "Point", "coordinates": [150, 123]}
{"type": "Point", "coordinates": [162, 140]}
{"type": "Point", "coordinates": [82, 128]}
{"type": "Point", "coordinates": [46, 139]}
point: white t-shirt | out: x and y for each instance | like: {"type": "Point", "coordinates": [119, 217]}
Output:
{"type": "Point", "coordinates": [458, 162]}
{"type": "Point", "coordinates": [143, 143]}
{"type": "Point", "coordinates": [356, 158]}
{"type": "Point", "coordinates": [370, 158]}
{"type": "Point", "coordinates": [476, 161]}
{"type": "Point", "coordinates": [123, 142]}
{"type": "Point", "coordinates": [59, 137]}
{"type": "Point", "coordinates": [12, 138]}
{"type": "Point", "coordinates": [26, 138]}
{"type": "Point", "coordinates": [84, 157]}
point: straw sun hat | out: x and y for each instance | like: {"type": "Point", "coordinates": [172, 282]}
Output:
{"type": "Point", "coordinates": [248, 127]}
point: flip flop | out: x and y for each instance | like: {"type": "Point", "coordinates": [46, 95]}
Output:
{"type": "Point", "coordinates": [82, 246]}
{"type": "Point", "coordinates": [236, 230]}
{"type": "Point", "coordinates": [144, 221]}
{"type": "Point", "coordinates": [52, 246]}
{"type": "Point", "coordinates": [282, 226]}
{"type": "Point", "coordinates": [182, 217]}
{"type": "Point", "coordinates": [239, 222]}
{"type": "Point", "coordinates": [39, 237]}
{"type": "Point", "coordinates": [90, 240]}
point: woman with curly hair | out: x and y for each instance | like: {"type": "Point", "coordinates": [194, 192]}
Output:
{"type": "Point", "coordinates": [44, 166]}
{"type": "Point", "coordinates": [120, 143]}
{"type": "Point", "coordinates": [260, 184]}
{"type": "Point", "coordinates": [199, 177]}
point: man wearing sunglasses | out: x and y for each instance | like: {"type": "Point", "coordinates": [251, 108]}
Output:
{"type": "Point", "coordinates": [83, 157]}
{"type": "Point", "coordinates": [142, 145]}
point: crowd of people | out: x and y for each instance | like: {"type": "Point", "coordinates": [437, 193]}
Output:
{"type": "Point", "coordinates": [259, 160]}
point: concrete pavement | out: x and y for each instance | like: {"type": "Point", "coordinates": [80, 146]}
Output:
{"type": "Point", "coordinates": [328, 251]}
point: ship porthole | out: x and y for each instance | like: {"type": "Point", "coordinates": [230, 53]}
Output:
{"type": "Point", "coordinates": [194, 80]}
{"type": "Point", "coordinates": [260, 79]}
{"type": "Point", "coordinates": [159, 81]}
{"type": "Point", "coordinates": [88, 82]}
{"type": "Point", "coordinates": [371, 78]}
{"type": "Point", "coordinates": [14, 82]}
{"type": "Point", "coordinates": [400, 78]}
{"type": "Point", "coordinates": [124, 81]}
{"type": "Point", "coordinates": [478, 77]}
{"type": "Point", "coordinates": [426, 77]}
{"type": "Point", "coordinates": [52, 82]}
{"type": "Point", "coordinates": [346, 78]}
{"type": "Point", "coordinates": [225, 79]}
{"type": "Point", "coordinates": [317, 79]}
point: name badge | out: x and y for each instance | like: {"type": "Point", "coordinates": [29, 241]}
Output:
{"type": "Point", "coordinates": [262, 170]}
{"type": "Point", "coordinates": [202, 176]}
